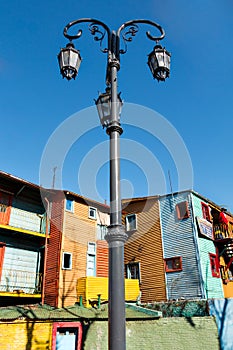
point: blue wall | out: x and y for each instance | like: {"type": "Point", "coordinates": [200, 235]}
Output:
{"type": "Point", "coordinates": [179, 240]}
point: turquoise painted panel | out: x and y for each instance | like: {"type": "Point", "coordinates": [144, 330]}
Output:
{"type": "Point", "coordinates": [212, 285]}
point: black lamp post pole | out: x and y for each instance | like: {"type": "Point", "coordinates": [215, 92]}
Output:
{"type": "Point", "coordinates": [159, 64]}
{"type": "Point", "coordinates": [116, 235]}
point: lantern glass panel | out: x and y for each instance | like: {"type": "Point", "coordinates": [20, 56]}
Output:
{"type": "Point", "coordinates": [75, 59]}
{"type": "Point", "coordinates": [167, 60]}
{"type": "Point", "coordinates": [160, 58]}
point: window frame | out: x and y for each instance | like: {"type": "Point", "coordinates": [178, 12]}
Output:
{"type": "Point", "coordinates": [101, 231]}
{"type": "Point", "coordinates": [138, 265]}
{"type": "Point", "coordinates": [204, 208]}
{"type": "Point", "coordinates": [215, 271]}
{"type": "Point", "coordinates": [67, 325]}
{"type": "Point", "coordinates": [173, 269]}
{"type": "Point", "coordinates": [91, 252]}
{"type": "Point", "coordinates": [63, 260]}
{"type": "Point", "coordinates": [71, 201]}
{"type": "Point", "coordinates": [127, 228]}
{"type": "Point", "coordinates": [94, 210]}
{"type": "Point", "coordinates": [178, 210]}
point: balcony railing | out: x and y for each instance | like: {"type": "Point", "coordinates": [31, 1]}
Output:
{"type": "Point", "coordinates": [221, 231]}
{"type": "Point", "coordinates": [21, 282]}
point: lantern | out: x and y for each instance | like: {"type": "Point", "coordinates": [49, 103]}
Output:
{"type": "Point", "coordinates": [159, 63]}
{"type": "Point", "coordinates": [69, 61]}
{"type": "Point", "coordinates": [104, 103]}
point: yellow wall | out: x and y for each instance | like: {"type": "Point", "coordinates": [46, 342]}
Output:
{"type": "Point", "coordinates": [22, 335]}
{"type": "Point", "coordinates": [90, 287]}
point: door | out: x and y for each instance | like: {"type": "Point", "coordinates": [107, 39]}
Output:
{"type": "Point", "coordinates": [66, 338]}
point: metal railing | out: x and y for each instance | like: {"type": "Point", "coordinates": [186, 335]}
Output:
{"type": "Point", "coordinates": [20, 281]}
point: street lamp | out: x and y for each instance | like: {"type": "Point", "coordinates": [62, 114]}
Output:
{"type": "Point", "coordinates": [109, 106]}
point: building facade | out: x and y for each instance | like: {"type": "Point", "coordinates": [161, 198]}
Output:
{"type": "Point", "coordinates": [76, 246]}
{"type": "Point", "coordinates": [178, 247]}
{"type": "Point", "coordinates": [144, 250]}
{"type": "Point", "coordinates": [22, 241]}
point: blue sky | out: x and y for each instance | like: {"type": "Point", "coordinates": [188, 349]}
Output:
{"type": "Point", "coordinates": [195, 103]}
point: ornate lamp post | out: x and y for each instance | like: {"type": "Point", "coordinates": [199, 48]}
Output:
{"type": "Point", "coordinates": [109, 106]}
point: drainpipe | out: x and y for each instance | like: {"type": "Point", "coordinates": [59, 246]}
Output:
{"type": "Point", "coordinates": [46, 249]}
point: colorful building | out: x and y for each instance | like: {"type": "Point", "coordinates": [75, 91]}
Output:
{"type": "Point", "coordinates": [22, 241]}
{"type": "Point", "coordinates": [144, 249]}
{"type": "Point", "coordinates": [178, 248]}
{"type": "Point", "coordinates": [76, 246]}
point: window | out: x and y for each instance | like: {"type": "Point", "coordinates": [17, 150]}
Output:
{"type": "Point", "coordinates": [91, 259]}
{"type": "Point", "coordinates": [131, 222]}
{"type": "Point", "coordinates": [205, 211]}
{"type": "Point", "coordinates": [102, 230]}
{"type": "Point", "coordinates": [69, 205]}
{"type": "Point", "coordinates": [133, 270]}
{"type": "Point", "coordinates": [182, 210]}
{"type": "Point", "coordinates": [173, 264]}
{"type": "Point", "coordinates": [91, 248]}
{"type": "Point", "coordinates": [214, 265]}
{"type": "Point", "coordinates": [92, 213]}
{"type": "Point", "coordinates": [67, 335]}
{"type": "Point", "coordinates": [67, 261]}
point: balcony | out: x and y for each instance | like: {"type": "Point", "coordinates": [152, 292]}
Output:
{"type": "Point", "coordinates": [24, 221]}
{"type": "Point", "coordinates": [222, 233]}
{"type": "Point", "coordinates": [20, 283]}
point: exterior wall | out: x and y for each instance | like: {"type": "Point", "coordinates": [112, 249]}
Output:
{"type": "Point", "coordinates": [101, 258]}
{"type": "Point", "coordinates": [179, 241]}
{"type": "Point", "coordinates": [78, 231]}
{"type": "Point", "coordinates": [93, 288]}
{"type": "Point", "coordinates": [222, 310]}
{"type": "Point", "coordinates": [196, 333]}
{"type": "Point", "coordinates": [54, 251]}
{"type": "Point", "coordinates": [212, 285]}
{"type": "Point", "coordinates": [21, 213]}
{"type": "Point", "coordinates": [145, 246]}
{"type": "Point", "coordinates": [25, 335]}
{"type": "Point", "coordinates": [5, 206]}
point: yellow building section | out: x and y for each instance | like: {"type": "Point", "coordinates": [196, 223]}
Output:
{"type": "Point", "coordinates": [33, 233]}
{"type": "Point", "coordinates": [227, 282]}
{"type": "Point", "coordinates": [19, 294]}
{"type": "Point", "coordinates": [90, 290]}
{"type": "Point", "coordinates": [26, 335]}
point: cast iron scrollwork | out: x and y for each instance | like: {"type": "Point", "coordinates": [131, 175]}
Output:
{"type": "Point", "coordinates": [98, 35]}
{"type": "Point", "coordinates": [128, 37]}
{"type": "Point", "coordinates": [94, 30]}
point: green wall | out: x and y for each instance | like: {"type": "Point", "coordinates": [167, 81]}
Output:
{"type": "Point", "coordinates": [196, 333]}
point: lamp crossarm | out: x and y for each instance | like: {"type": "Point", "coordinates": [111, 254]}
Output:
{"type": "Point", "coordinates": [94, 29]}
{"type": "Point", "coordinates": [133, 29]}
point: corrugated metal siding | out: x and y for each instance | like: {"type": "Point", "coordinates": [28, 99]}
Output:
{"type": "Point", "coordinates": [145, 247]}
{"type": "Point", "coordinates": [26, 220]}
{"type": "Point", "coordinates": [212, 285]}
{"type": "Point", "coordinates": [178, 240]}
{"type": "Point", "coordinates": [90, 287]}
{"type": "Point", "coordinates": [77, 232]}
{"type": "Point", "coordinates": [102, 259]}
{"type": "Point", "coordinates": [54, 251]}
{"type": "Point", "coordinates": [19, 270]}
